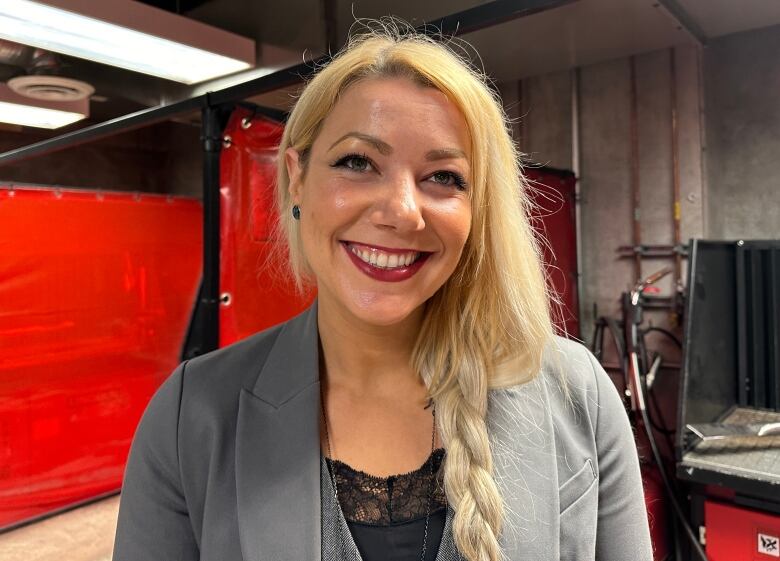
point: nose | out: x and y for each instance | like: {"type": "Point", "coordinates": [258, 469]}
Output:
{"type": "Point", "coordinates": [398, 205]}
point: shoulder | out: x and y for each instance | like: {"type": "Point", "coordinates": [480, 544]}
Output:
{"type": "Point", "coordinates": [202, 393]}
{"type": "Point", "coordinates": [570, 363]}
{"type": "Point", "coordinates": [210, 377]}
{"type": "Point", "coordinates": [567, 365]}
{"type": "Point", "coordinates": [232, 366]}
{"type": "Point", "coordinates": [573, 386]}
{"type": "Point", "coordinates": [212, 383]}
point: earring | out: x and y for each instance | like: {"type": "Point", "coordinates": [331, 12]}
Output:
{"type": "Point", "coordinates": [296, 212]}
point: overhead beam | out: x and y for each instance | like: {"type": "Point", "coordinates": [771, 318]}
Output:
{"type": "Point", "coordinates": [146, 117]}
{"type": "Point", "coordinates": [127, 123]}
{"type": "Point", "coordinates": [490, 14]}
{"type": "Point", "coordinates": [684, 20]}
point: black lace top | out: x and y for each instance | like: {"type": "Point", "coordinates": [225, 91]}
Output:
{"type": "Point", "coordinates": [386, 515]}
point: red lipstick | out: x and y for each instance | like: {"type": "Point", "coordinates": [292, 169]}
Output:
{"type": "Point", "coordinates": [396, 274]}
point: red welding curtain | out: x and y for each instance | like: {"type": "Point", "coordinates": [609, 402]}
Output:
{"type": "Point", "coordinates": [257, 292]}
{"type": "Point", "coordinates": [96, 292]}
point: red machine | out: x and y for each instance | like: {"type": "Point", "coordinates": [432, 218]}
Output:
{"type": "Point", "coordinates": [742, 534]}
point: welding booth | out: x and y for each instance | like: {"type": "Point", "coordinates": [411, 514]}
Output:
{"type": "Point", "coordinates": [106, 299]}
{"type": "Point", "coordinates": [102, 294]}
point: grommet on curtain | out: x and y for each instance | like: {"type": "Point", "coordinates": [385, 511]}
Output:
{"type": "Point", "coordinates": [296, 211]}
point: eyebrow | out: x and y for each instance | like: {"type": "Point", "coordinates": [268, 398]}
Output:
{"type": "Point", "coordinates": [445, 154]}
{"type": "Point", "coordinates": [385, 149]}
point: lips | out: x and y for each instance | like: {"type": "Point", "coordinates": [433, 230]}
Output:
{"type": "Point", "coordinates": [385, 264]}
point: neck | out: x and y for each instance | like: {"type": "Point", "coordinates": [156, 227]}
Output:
{"type": "Point", "coordinates": [367, 358]}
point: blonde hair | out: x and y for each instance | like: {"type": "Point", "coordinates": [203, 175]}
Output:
{"type": "Point", "coordinates": [494, 310]}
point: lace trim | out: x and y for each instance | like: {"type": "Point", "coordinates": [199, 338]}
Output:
{"type": "Point", "coordinates": [381, 501]}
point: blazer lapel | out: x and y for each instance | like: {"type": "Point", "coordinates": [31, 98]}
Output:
{"type": "Point", "coordinates": [278, 452]}
{"type": "Point", "coordinates": [525, 469]}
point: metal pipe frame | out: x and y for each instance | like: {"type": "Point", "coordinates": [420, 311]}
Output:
{"type": "Point", "coordinates": [636, 209]}
{"type": "Point", "coordinates": [676, 209]}
{"type": "Point", "coordinates": [154, 115]}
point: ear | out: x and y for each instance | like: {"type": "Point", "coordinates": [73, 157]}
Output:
{"type": "Point", "coordinates": [292, 158]}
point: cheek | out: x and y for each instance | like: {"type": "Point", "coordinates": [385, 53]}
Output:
{"type": "Point", "coordinates": [456, 224]}
{"type": "Point", "coordinates": [327, 209]}
{"type": "Point", "coordinates": [328, 197]}
{"type": "Point", "coordinates": [340, 200]}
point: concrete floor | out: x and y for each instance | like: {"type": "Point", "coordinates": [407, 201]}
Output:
{"type": "Point", "coordinates": [82, 534]}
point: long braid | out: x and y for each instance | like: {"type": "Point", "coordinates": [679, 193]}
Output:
{"type": "Point", "coordinates": [456, 372]}
{"type": "Point", "coordinates": [468, 475]}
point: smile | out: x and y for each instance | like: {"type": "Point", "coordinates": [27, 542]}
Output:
{"type": "Point", "coordinates": [383, 259]}
{"type": "Point", "coordinates": [385, 264]}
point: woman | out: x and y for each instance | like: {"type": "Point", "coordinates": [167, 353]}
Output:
{"type": "Point", "coordinates": [422, 408]}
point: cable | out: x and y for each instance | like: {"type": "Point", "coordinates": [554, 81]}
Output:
{"type": "Point", "coordinates": [662, 472]}
{"type": "Point", "coordinates": [661, 426]}
{"type": "Point", "coordinates": [648, 424]}
{"type": "Point", "coordinates": [666, 332]}
{"type": "Point", "coordinates": [597, 345]}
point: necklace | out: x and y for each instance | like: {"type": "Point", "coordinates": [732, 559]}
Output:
{"type": "Point", "coordinates": [336, 489]}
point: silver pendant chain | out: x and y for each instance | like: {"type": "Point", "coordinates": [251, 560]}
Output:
{"type": "Point", "coordinates": [336, 489]}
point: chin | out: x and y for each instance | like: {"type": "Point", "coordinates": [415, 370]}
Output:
{"type": "Point", "coordinates": [382, 310]}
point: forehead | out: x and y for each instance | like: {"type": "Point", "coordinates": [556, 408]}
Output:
{"type": "Point", "coordinates": [397, 109]}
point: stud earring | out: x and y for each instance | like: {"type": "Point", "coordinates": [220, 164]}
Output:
{"type": "Point", "coordinates": [296, 212]}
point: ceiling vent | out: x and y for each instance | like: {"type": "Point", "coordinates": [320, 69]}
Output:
{"type": "Point", "coordinates": [51, 88]}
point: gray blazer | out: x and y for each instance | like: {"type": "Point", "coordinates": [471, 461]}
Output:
{"type": "Point", "coordinates": [225, 464]}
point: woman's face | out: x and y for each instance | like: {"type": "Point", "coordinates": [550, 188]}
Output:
{"type": "Point", "coordinates": [385, 210]}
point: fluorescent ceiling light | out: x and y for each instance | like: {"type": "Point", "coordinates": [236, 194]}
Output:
{"type": "Point", "coordinates": [40, 117]}
{"type": "Point", "coordinates": [129, 35]}
{"type": "Point", "coordinates": [19, 110]}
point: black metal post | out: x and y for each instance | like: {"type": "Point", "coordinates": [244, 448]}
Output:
{"type": "Point", "coordinates": [203, 335]}
{"type": "Point", "coordinates": [212, 146]}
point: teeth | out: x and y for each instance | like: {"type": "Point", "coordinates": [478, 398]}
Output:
{"type": "Point", "coordinates": [383, 260]}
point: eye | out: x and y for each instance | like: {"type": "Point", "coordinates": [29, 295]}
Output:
{"type": "Point", "coordinates": [355, 162]}
{"type": "Point", "coordinates": [449, 178]}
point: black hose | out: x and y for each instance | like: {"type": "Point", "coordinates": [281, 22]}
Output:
{"type": "Point", "coordinates": [666, 332]}
{"type": "Point", "coordinates": [664, 477]}
{"type": "Point", "coordinates": [661, 426]}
